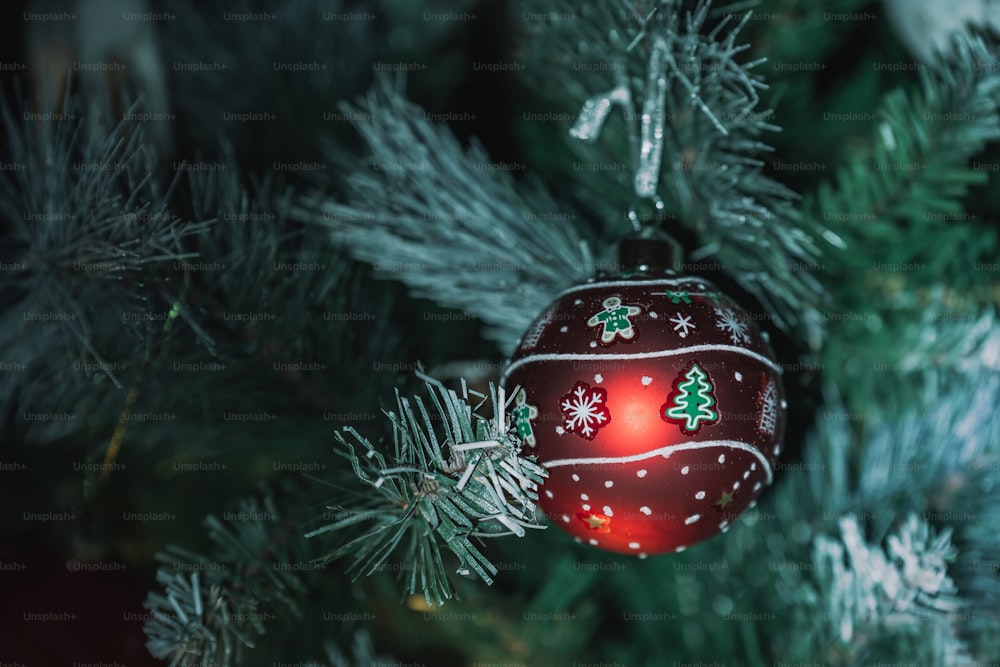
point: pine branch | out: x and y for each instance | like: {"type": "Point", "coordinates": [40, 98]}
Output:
{"type": "Point", "coordinates": [870, 594]}
{"type": "Point", "coordinates": [362, 654]}
{"type": "Point", "coordinates": [945, 340]}
{"type": "Point", "coordinates": [911, 206]}
{"type": "Point", "coordinates": [452, 475]}
{"type": "Point", "coordinates": [96, 266]}
{"type": "Point", "coordinates": [936, 434]}
{"type": "Point", "coordinates": [88, 237]}
{"type": "Point", "coordinates": [316, 52]}
{"type": "Point", "coordinates": [272, 320]}
{"type": "Point", "coordinates": [803, 32]}
{"type": "Point", "coordinates": [213, 609]}
{"type": "Point", "coordinates": [932, 455]}
{"type": "Point", "coordinates": [288, 275]}
{"type": "Point", "coordinates": [226, 66]}
{"type": "Point", "coordinates": [978, 537]}
{"type": "Point", "coordinates": [808, 44]}
{"type": "Point", "coordinates": [453, 226]}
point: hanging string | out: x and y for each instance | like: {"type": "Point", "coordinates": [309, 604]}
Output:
{"type": "Point", "coordinates": [646, 140]}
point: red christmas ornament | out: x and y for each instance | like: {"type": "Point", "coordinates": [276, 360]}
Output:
{"type": "Point", "coordinates": [657, 407]}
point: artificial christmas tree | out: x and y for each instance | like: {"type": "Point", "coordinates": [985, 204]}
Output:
{"type": "Point", "coordinates": [259, 349]}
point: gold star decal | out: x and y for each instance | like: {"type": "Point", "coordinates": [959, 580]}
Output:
{"type": "Point", "coordinates": [725, 499]}
{"type": "Point", "coordinates": [598, 522]}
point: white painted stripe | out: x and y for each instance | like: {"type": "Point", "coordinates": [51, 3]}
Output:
{"type": "Point", "coordinates": [669, 449]}
{"type": "Point", "coordinates": [690, 349]}
{"type": "Point", "coordinates": [661, 282]}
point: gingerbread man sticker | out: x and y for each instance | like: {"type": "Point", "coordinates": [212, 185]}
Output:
{"type": "Point", "coordinates": [615, 320]}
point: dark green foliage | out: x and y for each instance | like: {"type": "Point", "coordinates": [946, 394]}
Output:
{"type": "Point", "coordinates": [89, 242]}
{"type": "Point", "coordinates": [214, 608]}
{"type": "Point", "coordinates": [220, 285]}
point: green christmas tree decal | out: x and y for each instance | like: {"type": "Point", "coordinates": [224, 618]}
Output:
{"type": "Point", "coordinates": [691, 402]}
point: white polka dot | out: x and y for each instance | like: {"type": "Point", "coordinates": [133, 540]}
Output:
{"type": "Point", "coordinates": [607, 511]}
{"type": "Point", "coordinates": [577, 302]}
{"type": "Point", "coordinates": [608, 484]}
{"type": "Point", "coordinates": [766, 336]}
{"type": "Point", "coordinates": [685, 470]}
{"type": "Point", "coordinates": [578, 540]}
{"type": "Point", "coordinates": [724, 526]}
{"type": "Point", "coordinates": [700, 495]}
{"type": "Point", "coordinates": [642, 556]}
{"type": "Point", "coordinates": [653, 314]}
{"type": "Point", "coordinates": [738, 376]}
{"type": "Point", "coordinates": [784, 404]}
{"type": "Point", "coordinates": [634, 545]}
{"type": "Point", "coordinates": [736, 485]}
{"type": "Point", "coordinates": [753, 466]}
{"type": "Point", "coordinates": [560, 430]}
{"type": "Point", "coordinates": [593, 343]}
{"type": "Point", "coordinates": [691, 519]}
{"type": "Point", "coordinates": [575, 477]}
{"type": "Point", "coordinates": [645, 510]}
{"type": "Point", "coordinates": [565, 518]}
{"type": "Point", "coordinates": [746, 473]}
{"type": "Point", "coordinates": [593, 541]}
{"type": "Point", "coordinates": [777, 449]}
{"type": "Point", "coordinates": [549, 494]}
{"type": "Point", "coordinates": [756, 487]}
{"type": "Point", "coordinates": [563, 329]}
{"type": "Point", "coordinates": [646, 380]}
{"type": "Point", "coordinates": [680, 549]}
{"type": "Point", "coordinates": [586, 507]}
{"type": "Point", "coordinates": [598, 378]}
{"type": "Point", "coordinates": [722, 458]}
{"type": "Point", "coordinates": [642, 473]}
{"type": "Point", "coordinates": [584, 496]}
{"type": "Point", "coordinates": [753, 503]}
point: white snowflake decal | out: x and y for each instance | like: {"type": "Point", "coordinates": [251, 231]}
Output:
{"type": "Point", "coordinates": [584, 410]}
{"type": "Point", "coordinates": [682, 323]}
{"type": "Point", "coordinates": [737, 330]}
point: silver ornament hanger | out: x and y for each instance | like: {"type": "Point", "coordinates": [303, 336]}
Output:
{"type": "Point", "coordinates": [646, 129]}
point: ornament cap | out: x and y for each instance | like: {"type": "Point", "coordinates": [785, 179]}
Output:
{"type": "Point", "coordinates": [652, 252]}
